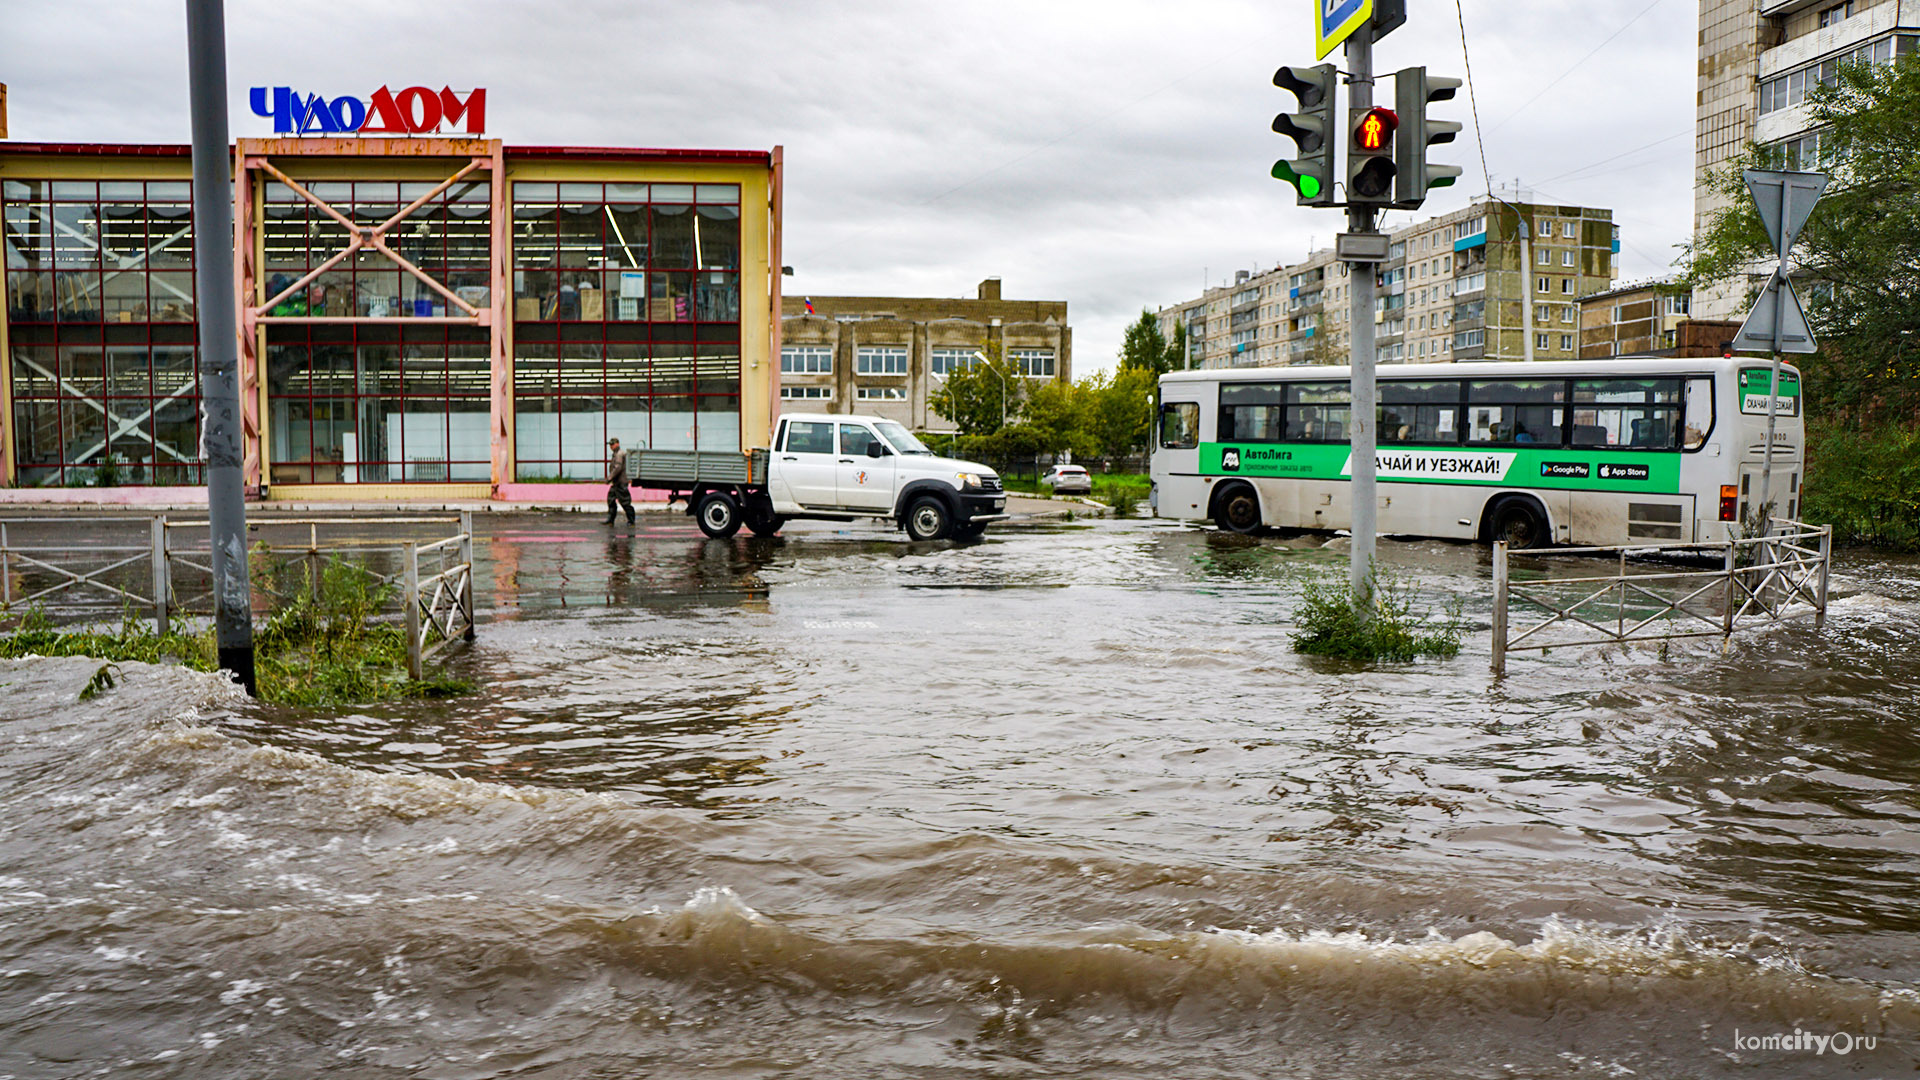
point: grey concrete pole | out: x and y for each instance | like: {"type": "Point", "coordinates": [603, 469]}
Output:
{"type": "Point", "coordinates": [1773, 386]}
{"type": "Point", "coordinates": [1526, 286]}
{"type": "Point", "coordinates": [1361, 434]}
{"type": "Point", "coordinates": [220, 414]}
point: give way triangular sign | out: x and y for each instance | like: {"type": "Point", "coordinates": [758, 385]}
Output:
{"type": "Point", "coordinates": [1757, 333]}
{"type": "Point", "coordinates": [1784, 199]}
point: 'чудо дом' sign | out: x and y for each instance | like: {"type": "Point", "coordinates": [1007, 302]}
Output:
{"type": "Point", "coordinates": [413, 111]}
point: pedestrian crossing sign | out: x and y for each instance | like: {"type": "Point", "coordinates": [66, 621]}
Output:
{"type": "Point", "coordinates": [1336, 21]}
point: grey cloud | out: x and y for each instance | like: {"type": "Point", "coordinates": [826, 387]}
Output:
{"type": "Point", "coordinates": [1105, 154]}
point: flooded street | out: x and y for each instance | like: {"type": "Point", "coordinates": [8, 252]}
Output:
{"type": "Point", "coordinates": [1058, 803]}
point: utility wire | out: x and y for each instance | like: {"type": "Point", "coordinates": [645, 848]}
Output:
{"type": "Point", "coordinates": [1576, 64]}
{"type": "Point", "coordinates": [1616, 157]}
{"type": "Point", "coordinates": [1472, 99]}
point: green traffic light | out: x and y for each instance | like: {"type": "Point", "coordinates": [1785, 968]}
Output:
{"type": "Point", "coordinates": [1307, 186]}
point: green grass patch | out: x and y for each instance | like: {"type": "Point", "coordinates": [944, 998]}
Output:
{"type": "Point", "coordinates": [1333, 622]}
{"type": "Point", "coordinates": [317, 652]}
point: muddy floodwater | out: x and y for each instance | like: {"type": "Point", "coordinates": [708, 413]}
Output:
{"type": "Point", "coordinates": [1059, 803]}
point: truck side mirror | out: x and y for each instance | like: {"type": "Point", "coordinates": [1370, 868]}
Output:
{"type": "Point", "coordinates": [875, 450]}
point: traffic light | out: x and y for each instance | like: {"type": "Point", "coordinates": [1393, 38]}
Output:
{"type": "Point", "coordinates": [1311, 174]}
{"type": "Point", "coordinates": [1413, 91]}
{"type": "Point", "coordinates": [1370, 165]}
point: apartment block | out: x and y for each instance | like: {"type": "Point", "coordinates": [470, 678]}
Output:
{"type": "Point", "coordinates": [1757, 60]}
{"type": "Point", "coordinates": [1466, 285]}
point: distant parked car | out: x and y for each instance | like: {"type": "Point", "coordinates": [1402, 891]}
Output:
{"type": "Point", "coordinates": [1068, 480]}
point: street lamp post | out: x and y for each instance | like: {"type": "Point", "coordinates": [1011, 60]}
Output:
{"type": "Point", "coordinates": [978, 355]}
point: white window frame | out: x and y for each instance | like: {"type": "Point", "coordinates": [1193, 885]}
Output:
{"type": "Point", "coordinates": [806, 393]}
{"type": "Point", "coordinates": [880, 393]}
{"type": "Point", "coordinates": [1541, 342]}
{"type": "Point", "coordinates": [944, 360]}
{"type": "Point", "coordinates": [1027, 361]}
{"type": "Point", "coordinates": [1566, 257]}
{"type": "Point", "coordinates": [806, 360]}
{"type": "Point", "coordinates": [881, 360]}
{"type": "Point", "coordinates": [1569, 230]}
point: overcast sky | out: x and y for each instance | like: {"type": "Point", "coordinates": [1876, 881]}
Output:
{"type": "Point", "coordinates": [1113, 155]}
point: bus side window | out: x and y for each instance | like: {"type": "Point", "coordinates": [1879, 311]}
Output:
{"type": "Point", "coordinates": [1699, 413]}
{"type": "Point", "coordinates": [1179, 425]}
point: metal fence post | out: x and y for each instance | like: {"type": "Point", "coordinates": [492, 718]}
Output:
{"type": "Point", "coordinates": [1499, 607]}
{"type": "Point", "coordinates": [1727, 615]}
{"type": "Point", "coordinates": [466, 578]}
{"type": "Point", "coordinates": [162, 582]}
{"type": "Point", "coordinates": [411, 597]}
{"type": "Point", "coordinates": [1826, 562]}
{"type": "Point", "coordinates": [6, 569]}
{"type": "Point", "coordinates": [313, 558]}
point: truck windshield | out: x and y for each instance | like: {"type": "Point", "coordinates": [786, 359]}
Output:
{"type": "Point", "coordinates": [902, 439]}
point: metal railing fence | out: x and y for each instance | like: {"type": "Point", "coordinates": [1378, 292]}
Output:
{"type": "Point", "coordinates": [1761, 580]}
{"type": "Point", "coordinates": [169, 575]}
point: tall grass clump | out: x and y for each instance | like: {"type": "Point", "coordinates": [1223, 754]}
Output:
{"type": "Point", "coordinates": [1332, 621]}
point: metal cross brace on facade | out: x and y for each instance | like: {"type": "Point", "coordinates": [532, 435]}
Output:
{"type": "Point", "coordinates": [260, 158]}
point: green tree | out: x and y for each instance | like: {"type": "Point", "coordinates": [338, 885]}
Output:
{"type": "Point", "coordinates": [1177, 349]}
{"type": "Point", "coordinates": [982, 397]}
{"type": "Point", "coordinates": [1144, 348]}
{"type": "Point", "coordinates": [1859, 255]}
{"type": "Point", "coordinates": [1059, 413]}
{"type": "Point", "coordinates": [1120, 413]}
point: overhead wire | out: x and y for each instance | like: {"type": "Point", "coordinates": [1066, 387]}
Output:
{"type": "Point", "coordinates": [1576, 64]}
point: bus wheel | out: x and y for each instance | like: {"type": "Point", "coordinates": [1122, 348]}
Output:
{"type": "Point", "coordinates": [1237, 510]}
{"type": "Point", "coordinates": [1520, 523]}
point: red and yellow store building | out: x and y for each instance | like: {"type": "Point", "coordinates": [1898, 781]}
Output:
{"type": "Point", "coordinates": [419, 318]}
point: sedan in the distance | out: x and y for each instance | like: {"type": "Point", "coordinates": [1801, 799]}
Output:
{"type": "Point", "coordinates": [1068, 480]}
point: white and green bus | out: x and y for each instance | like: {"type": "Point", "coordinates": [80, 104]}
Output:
{"type": "Point", "coordinates": [1618, 451]}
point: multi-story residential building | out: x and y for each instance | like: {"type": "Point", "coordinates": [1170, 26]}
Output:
{"type": "Point", "coordinates": [1462, 285]}
{"type": "Point", "coordinates": [1758, 58]}
{"type": "Point", "coordinates": [1641, 317]}
{"type": "Point", "coordinates": [886, 355]}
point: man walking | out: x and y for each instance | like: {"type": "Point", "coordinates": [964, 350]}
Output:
{"type": "Point", "coordinates": [617, 483]}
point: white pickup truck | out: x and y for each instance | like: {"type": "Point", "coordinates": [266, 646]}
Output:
{"type": "Point", "coordinates": [828, 468]}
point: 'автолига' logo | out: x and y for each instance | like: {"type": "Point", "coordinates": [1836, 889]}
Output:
{"type": "Point", "coordinates": [1230, 460]}
{"type": "Point", "coordinates": [413, 111]}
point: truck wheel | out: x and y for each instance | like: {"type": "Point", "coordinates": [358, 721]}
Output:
{"type": "Point", "coordinates": [718, 515]}
{"type": "Point", "coordinates": [1518, 522]}
{"type": "Point", "coordinates": [765, 524]}
{"type": "Point", "coordinates": [927, 519]}
{"type": "Point", "coordinates": [1238, 510]}
{"type": "Point", "coordinates": [970, 532]}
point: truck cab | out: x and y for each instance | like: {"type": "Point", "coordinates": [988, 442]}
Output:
{"type": "Point", "coordinates": [840, 467]}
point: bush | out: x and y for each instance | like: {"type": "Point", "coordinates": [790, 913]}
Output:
{"type": "Point", "coordinates": [1865, 482]}
{"type": "Point", "coordinates": [1333, 622]}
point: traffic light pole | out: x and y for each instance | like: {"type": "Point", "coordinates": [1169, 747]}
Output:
{"type": "Point", "coordinates": [1360, 427]}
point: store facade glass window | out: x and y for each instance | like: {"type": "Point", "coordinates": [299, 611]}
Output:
{"type": "Point", "coordinates": [377, 403]}
{"type": "Point", "coordinates": [626, 309]}
{"type": "Point", "coordinates": [100, 310]}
